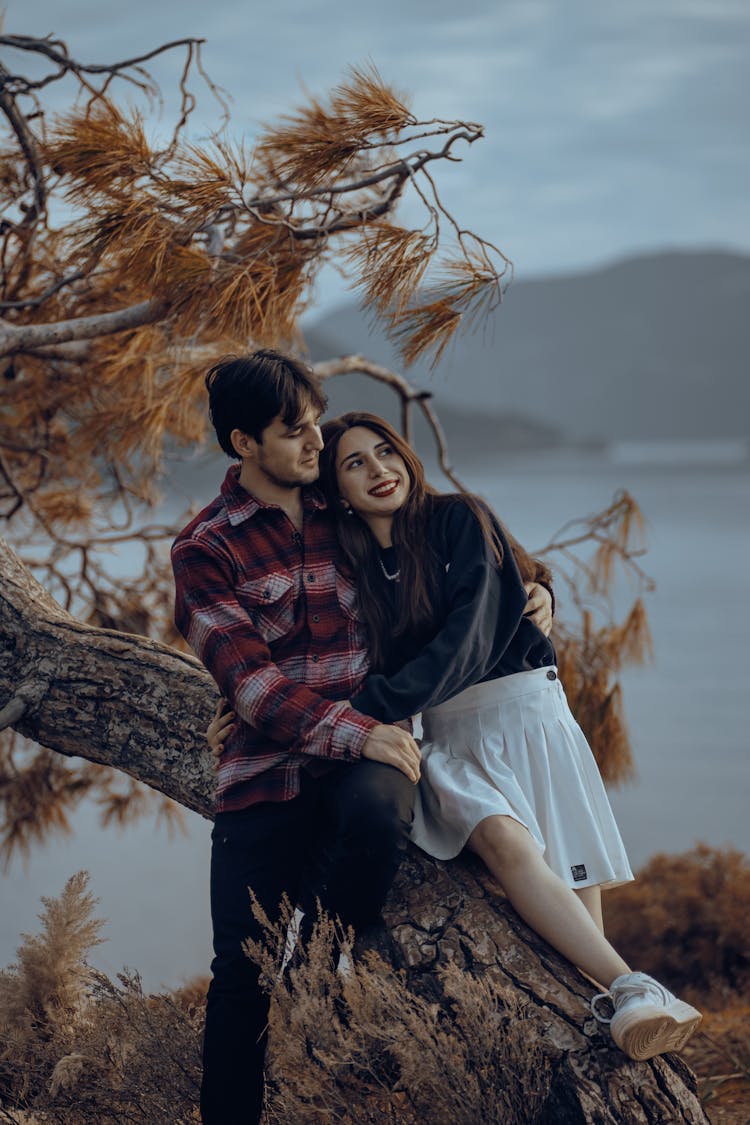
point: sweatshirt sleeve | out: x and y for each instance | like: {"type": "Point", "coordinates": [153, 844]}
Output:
{"type": "Point", "coordinates": [484, 607]}
{"type": "Point", "coordinates": [221, 633]}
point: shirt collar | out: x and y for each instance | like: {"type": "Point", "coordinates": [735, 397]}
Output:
{"type": "Point", "coordinates": [241, 505]}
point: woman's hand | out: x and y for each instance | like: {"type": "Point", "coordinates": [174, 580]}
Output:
{"type": "Point", "coordinates": [220, 727]}
{"type": "Point", "coordinates": [539, 607]}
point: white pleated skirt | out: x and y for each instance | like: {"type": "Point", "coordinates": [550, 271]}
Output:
{"type": "Point", "coordinates": [511, 747]}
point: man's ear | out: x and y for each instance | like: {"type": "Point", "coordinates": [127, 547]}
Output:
{"type": "Point", "coordinates": [244, 445]}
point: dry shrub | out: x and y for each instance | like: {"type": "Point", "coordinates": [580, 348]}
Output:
{"type": "Point", "coordinates": [78, 1049]}
{"type": "Point", "coordinates": [720, 1055]}
{"type": "Point", "coordinates": [364, 1048]}
{"type": "Point", "coordinates": [686, 920]}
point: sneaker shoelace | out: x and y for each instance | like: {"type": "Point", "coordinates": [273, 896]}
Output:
{"type": "Point", "coordinates": [638, 985]}
{"type": "Point", "coordinates": [600, 996]}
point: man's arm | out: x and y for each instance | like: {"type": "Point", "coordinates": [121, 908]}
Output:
{"type": "Point", "coordinates": [540, 607]}
{"type": "Point", "coordinates": [219, 630]}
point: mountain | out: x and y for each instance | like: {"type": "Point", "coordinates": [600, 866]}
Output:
{"type": "Point", "coordinates": [654, 347]}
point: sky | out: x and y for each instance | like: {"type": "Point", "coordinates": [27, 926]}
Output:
{"type": "Point", "coordinates": [611, 128]}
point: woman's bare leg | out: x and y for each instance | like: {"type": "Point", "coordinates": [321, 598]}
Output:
{"type": "Point", "coordinates": [543, 900]}
{"type": "Point", "coordinates": [591, 897]}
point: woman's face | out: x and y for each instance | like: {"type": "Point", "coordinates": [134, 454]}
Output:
{"type": "Point", "coordinates": [372, 478]}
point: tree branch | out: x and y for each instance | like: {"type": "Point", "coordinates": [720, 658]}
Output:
{"type": "Point", "coordinates": [357, 364]}
{"type": "Point", "coordinates": [16, 338]}
{"type": "Point", "coordinates": [118, 700]}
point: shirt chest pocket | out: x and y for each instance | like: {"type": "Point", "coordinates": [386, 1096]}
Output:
{"type": "Point", "coordinates": [269, 602]}
{"type": "Point", "coordinates": [347, 598]}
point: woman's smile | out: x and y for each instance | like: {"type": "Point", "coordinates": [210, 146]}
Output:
{"type": "Point", "coordinates": [384, 488]}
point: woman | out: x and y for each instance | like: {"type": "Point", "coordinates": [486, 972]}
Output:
{"type": "Point", "coordinates": [506, 770]}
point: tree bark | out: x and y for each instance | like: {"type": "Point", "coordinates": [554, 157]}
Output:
{"type": "Point", "coordinates": [119, 700]}
{"type": "Point", "coordinates": [24, 337]}
{"type": "Point", "coordinates": [439, 912]}
{"type": "Point", "coordinates": [142, 707]}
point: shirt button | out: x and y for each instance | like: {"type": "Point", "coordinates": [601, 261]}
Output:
{"type": "Point", "coordinates": [551, 675]}
{"type": "Point", "coordinates": [266, 593]}
{"type": "Point", "coordinates": [311, 578]}
{"type": "Point", "coordinates": [314, 658]}
{"type": "Point", "coordinates": [316, 617]}
{"type": "Point", "coordinates": [297, 537]}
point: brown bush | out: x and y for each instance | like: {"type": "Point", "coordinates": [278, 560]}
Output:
{"type": "Point", "coordinates": [720, 1055]}
{"type": "Point", "coordinates": [686, 919]}
{"type": "Point", "coordinates": [363, 1048]}
{"type": "Point", "coordinates": [78, 1049]}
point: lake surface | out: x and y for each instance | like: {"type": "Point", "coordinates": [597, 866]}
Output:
{"type": "Point", "coordinates": [686, 712]}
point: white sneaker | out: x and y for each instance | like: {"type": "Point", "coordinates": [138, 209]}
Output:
{"type": "Point", "coordinates": [648, 1019]}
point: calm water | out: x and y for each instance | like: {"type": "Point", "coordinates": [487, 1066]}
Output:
{"type": "Point", "coordinates": [687, 722]}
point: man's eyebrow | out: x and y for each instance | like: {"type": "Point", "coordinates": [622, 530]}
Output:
{"type": "Point", "coordinates": [301, 422]}
{"type": "Point", "coordinates": [359, 454]}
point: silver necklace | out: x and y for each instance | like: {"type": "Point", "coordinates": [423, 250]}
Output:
{"type": "Point", "coordinates": [390, 577]}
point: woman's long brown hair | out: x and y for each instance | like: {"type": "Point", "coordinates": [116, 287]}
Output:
{"type": "Point", "coordinates": [418, 564]}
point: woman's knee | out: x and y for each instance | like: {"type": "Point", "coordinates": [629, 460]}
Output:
{"type": "Point", "coordinates": [503, 839]}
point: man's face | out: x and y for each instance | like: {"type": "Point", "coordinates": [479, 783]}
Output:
{"type": "Point", "coordinates": [288, 455]}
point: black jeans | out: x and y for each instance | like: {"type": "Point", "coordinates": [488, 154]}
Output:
{"type": "Point", "coordinates": [340, 840]}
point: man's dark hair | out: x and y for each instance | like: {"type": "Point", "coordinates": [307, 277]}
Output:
{"type": "Point", "coordinates": [247, 392]}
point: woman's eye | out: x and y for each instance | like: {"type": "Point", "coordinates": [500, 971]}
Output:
{"type": "Point", "coordinates": [385, 450]}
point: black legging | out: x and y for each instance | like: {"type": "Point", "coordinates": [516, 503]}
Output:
{"type": "Point", "coordinates": [340, 841]}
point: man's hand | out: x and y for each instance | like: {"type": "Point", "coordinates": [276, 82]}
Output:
{"type": "Point", "coordinates": [219, 728]}
{"type": "Point", "coordinates": [539, 607]}
{"type": "Point", "coordinates": [394, 747]}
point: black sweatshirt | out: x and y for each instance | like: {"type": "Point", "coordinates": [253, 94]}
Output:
{"type": "Point", "coordinates": [481, 632]}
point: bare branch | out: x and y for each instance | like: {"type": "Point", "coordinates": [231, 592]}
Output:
{"type": "Point", "coordinates": [35, 302]}
{"type": "Point", "coordinates": [16, 338]}
{"type": "Point", "coordinates": [357, 364]}
{"type": "Point", "coordinates": [28, 146]}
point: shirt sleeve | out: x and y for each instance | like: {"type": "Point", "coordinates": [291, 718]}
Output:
{"type": "Point", "coordinates": [484, 607]}
{"type": "Point", "coordinates": [221, 633]}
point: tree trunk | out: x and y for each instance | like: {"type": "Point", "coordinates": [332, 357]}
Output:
{"type": "Point", "coordinates": [142, 707]}
{"type": "Point", "coordinates": [440, 912]}
{"type": "Point", "coordinates": [115, 699]}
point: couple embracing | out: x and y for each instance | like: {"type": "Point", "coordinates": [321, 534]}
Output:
{"type": "Point", "coordinates": [333, 594]}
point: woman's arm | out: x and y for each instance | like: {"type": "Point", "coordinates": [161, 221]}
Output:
{"type": "Point", "coordinates": [485, 606]}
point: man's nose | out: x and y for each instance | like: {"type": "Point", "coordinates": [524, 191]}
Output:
{"type": "Point", "coordinates": [315, 439]}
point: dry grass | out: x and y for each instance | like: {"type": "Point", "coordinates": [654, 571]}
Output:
{"type": "Point", "coordinates": [363, 1048]}
{"type": "Point", "coordinates": [687, 920]}
{"type": "Point", "coordinates": [78, 1049]}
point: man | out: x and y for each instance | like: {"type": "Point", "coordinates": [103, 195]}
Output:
{"type": "Point", "coordinates": [308, 802]}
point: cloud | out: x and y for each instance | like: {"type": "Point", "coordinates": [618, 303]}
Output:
{"type": "Point", "coordinates": [609, 126]}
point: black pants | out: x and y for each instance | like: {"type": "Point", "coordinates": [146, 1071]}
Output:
{"type": "Point", "coordinates": [341, 840]}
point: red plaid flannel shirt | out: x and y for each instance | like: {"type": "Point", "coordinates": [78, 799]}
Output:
{"type": "Point", "coordinates": [273, 620]}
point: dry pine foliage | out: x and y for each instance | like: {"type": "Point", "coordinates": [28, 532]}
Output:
{"type": "Point", "coordinates": [128, 263]}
